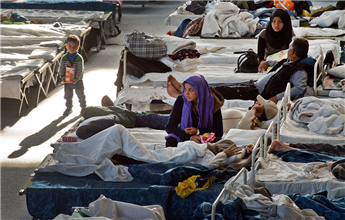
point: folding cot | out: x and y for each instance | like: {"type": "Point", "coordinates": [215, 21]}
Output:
{"type": "Point", "coordinates": [15, 85]}
{"type": "Point", "coordinates": [51, 193]}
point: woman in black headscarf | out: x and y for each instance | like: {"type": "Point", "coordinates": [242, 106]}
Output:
{"type": "Point", "coordinates": [277, 36]}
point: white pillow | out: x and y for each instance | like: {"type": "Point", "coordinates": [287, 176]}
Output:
{"type": "Point", "coordinates": [231, 117]}
{"type": "Point", "coordinates": [242, 137]}
{"type": "Point", "coordinates": [338, 71]}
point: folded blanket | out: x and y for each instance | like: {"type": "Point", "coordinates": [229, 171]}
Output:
{"type": "Point", "coordinates": [175, 44]}
{"type": "Point", "coordinates": [186, 65]}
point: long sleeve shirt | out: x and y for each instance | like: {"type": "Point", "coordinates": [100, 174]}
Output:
{"type": "Point", "coordinates": [78, 64]}
{"type": "Point", "coordinates": [175, 119]}
{"type": "Point", "coordinates": [298, 80]}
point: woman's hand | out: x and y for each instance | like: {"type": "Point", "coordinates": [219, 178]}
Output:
{"type": "Point", "coordinates": [191, 130]}
{"type": "Point", "coordinates": [263, 66]}
{"type": "Point", "coordinates": [196, 139]}
{"type": "Point", "coordinates": [232, 150]}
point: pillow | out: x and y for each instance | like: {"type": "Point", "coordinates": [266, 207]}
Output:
{"type": "Point", "coordinates": [93, 125]}
{"type": "Point", "coordinates": [242, 137]}
{"type": "Point", "coordinates": [338, 71]}
{"type": "Point", "coordinates": [231, 117]}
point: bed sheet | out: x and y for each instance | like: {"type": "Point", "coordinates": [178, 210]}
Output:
{"type": "Point", "coordinates": [281, 177]}
{"type": "Point", "coordinates": [294, 132]}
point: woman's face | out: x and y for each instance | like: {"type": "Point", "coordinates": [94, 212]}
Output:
{"type": "Point", "coordinates": [277, 24]}
{"type": "Point", "coordinates": [190, 93]}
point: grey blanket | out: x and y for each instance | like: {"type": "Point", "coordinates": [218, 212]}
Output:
{"type": "Point", "coordinates": [322, 116]}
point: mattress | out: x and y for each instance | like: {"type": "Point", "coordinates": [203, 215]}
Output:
{"type": "Point", "coordinates": [53, 193]}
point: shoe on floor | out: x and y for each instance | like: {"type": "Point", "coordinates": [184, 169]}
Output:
{"type": "Point", "coordinates": [106, 101]}
{"type": "Point", "coordinates": [67, 112]}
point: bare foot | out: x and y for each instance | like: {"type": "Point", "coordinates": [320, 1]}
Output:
{"type": "Point", "coordinates": [329, 165]}
{"type": "Point", "coordinates": [177, 85]}
{"type": "Point", "coordinates": [172, 91]}
{"type": "Point", "coordinates": [277, 145]}
{"type": "Point", "coordinates": [250, 148]}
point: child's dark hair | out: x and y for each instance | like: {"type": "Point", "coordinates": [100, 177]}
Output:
{"type": "Point", "coordinates": [73, 38]}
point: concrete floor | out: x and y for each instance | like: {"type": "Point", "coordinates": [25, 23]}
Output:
{"type": "Point", "coordinates": [25, 141]}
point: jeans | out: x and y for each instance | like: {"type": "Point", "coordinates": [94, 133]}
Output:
{"type": "Point", "coordinates": [79, 90]}
{"type": "Point", "coordinates": [152, 120]}
{"type": "Point", "coordinates": [332, 150]}
{"type": "Point", "coordinates": [305, 156]}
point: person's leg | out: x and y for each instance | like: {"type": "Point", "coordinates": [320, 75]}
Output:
{"type": "Point", "coordinates": [244, 91]}
{"type": "Point", "coordinates": [277, 145]}
{"type": "Point", "coordinates": [171, 142]}
{"type": "Point", "coordinates": [333, 150]}
{"type": "Point", "coordinates": [151, 120]}
{"type": "Point", "coordinates": [68, 96]}
{"type": "Point", "coordinates": [79, 90]}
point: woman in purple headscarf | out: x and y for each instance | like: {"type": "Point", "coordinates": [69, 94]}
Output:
{"type": "Point", "coordinates": [195, 112]}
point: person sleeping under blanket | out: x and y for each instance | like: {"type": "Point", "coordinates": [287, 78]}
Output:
{"type": "Point", "coordinates": [93, 154]}
{"type": "Point", "coordinates": [332, 155]}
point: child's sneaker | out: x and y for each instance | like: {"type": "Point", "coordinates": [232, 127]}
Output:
{"type": "Point", "coordinates": [68, 111]}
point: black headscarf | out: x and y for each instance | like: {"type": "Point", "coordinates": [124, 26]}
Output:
{"type": "Point", "coordinates": [284, 36]}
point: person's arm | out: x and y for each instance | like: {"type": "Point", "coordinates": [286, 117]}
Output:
{"type": "Point", "coordinates": [261, 48]}
{"type": "Point", "coordinates": [62, 68]}
{"type": "Point", "coordinates": [79, 67]}
{"type": "Point", "coordinates": [298, 84]}
{"type": "Point", "coordinates": [175, 119]}
{"type": "Point", "coordinates": [217, 127]}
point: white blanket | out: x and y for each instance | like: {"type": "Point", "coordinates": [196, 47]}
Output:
{"type": "Point", "coordinates": [106, 209]}
{"type": "Point", "coordinates": [278, 207]}
{"type": "Point", "coordinates": [226, 21]}
{"type": "Point", "coordinates": [93, 155]}
{"type": "Point", "coordinates": [323, 116]}
{"type": "Point", "coordinates": [186, 65]}
{"type": "Point", "coordinates": [175, 44]}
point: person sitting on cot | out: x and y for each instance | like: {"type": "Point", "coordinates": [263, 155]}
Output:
{"type": "Point", "coordinates": [262, 110]}
{"type": "Point", "coordinates": [195, 112]}
{"type": "Point", "coordinates": [336, 167]}
{"type": "Point", "coordinates": [276, 37]}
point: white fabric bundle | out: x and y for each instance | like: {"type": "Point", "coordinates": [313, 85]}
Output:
{"type": "Point", "coordinates": [44, 54]}
{"type": "Point", "coordinates": [105, 207]}
{"type": "Point", "coordinates": [175, 44]}
{"type": "Point", "coordinates": [186, 65]}
{"type": "Point", "coordinates": [322, 116]}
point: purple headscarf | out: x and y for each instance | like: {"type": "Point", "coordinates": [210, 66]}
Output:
{"type": "Point", "coordinates": [204, 103]}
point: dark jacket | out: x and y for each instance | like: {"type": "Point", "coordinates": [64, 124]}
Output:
{"type": "Point", "coordinates": [176, 115]}
{"type": "Point", "coordinates": [277, 83]}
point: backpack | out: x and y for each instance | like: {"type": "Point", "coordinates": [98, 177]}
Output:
{"type": "Point", "coordinates": [248, 62]}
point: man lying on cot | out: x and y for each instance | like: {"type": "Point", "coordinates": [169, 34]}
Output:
{"type": "Point", "coordinates": [315, 153]}
{"type": "Point", "coordinates": [297, 69]}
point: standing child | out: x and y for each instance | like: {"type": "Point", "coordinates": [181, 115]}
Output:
{"type": "Point", "coordinates": [72, 71]}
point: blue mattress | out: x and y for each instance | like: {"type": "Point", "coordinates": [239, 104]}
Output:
{"type": "Point", "coordinates": [53, 193]}
{"type": "Point", "coordinates": [62, 5]}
